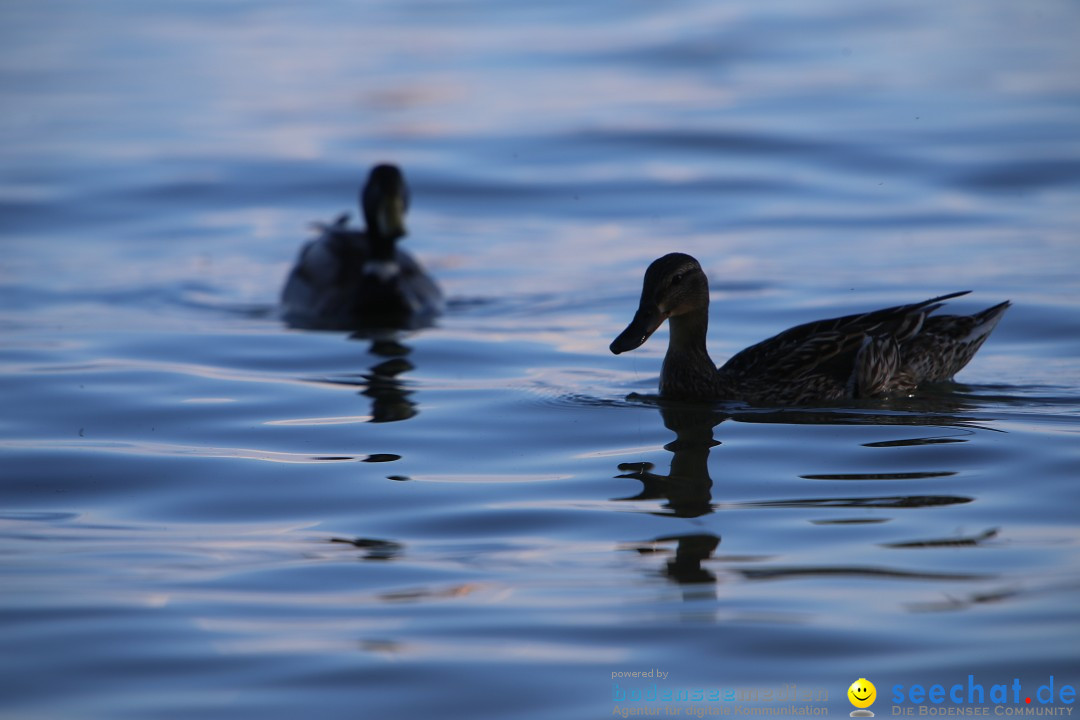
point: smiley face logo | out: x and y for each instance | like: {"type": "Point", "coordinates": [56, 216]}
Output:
{"type": "Point", "coordinates": [862, 693]}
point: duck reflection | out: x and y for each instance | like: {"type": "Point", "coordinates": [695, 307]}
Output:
{"type": "Point", "coordinates": [686, 490]}
{"type": "Point", "coordinates": [373, 548]}
{"type": "Point", "coordinates": [940, 405]}
{"type": "Point", "coordinates": [685, 565]}
{"type": "Point", "coordinates": [390, 400]}
{"type": "Point", "coordinates": [687, 487]}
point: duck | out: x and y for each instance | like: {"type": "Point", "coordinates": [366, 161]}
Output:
{"type": "Point", "coordinates": [352, 279]}
{"type": "Point", "coordinates": [882, 353]}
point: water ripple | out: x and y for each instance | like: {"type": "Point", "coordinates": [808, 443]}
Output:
{"type": "Point", "coordinates": [170, 450]}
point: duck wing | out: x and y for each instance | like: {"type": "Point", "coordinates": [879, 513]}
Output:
{"type": "Point", "coordinates": [334, 256]}
{"type": "Point", "coordinates": [327, 266]}
{"type": "Point", "coordinates": [420, 294]}
{"type": "Point", "coordinates": [853, 354]}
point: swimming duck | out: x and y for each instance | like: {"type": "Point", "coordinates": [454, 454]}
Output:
{"type": "Point", "coordinates": [350, 279]}
{"type": "Point", "coordinates": [879, 353]}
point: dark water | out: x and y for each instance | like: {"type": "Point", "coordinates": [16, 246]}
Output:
{"type": "Point", "coordinates": [205, 514]}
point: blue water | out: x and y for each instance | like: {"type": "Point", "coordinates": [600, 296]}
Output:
{"type": "Point", "coordinates": [206, 514]}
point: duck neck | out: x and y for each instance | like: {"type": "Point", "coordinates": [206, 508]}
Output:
{"type": "Point", "coordinates": [688, 373]}
{"type": "Point", "coordinates": [380, 248]}
{"type": "Point", "coordinates": [689, 331]}
{"type": "Point", "coordinates": [381, 239]}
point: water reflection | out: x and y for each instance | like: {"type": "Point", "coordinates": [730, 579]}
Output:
{"type": "Point", "coordinates": [686, 490]}
{"type": "Point", "coordinates": [690, 551]}
{"type": "Point", "coordinates": [374, 548]}
{"type": "Point", "coordinates": [952, 604]}
{"type": "Point", "coordinates": [390, 400]}
{"type": "Point", "coordinates": [968, 541]}
{"type": "Point", "coordinates": [776, 573]}
{"type": "Point", "coordinates": [687, 487]}
{"type": "Point", "coordinates": [937, 406]}
{"type": "Point", "coordinates": [887, 501]}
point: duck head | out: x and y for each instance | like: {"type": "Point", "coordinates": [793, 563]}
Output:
{"type": "Point", "coordinates": [675, 285]}
{"type": "Point", "coordinates": [385, 200]}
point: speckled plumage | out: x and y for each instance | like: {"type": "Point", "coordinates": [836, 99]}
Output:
{"type": "Point", "coordinates": [879, 353]}
{"type": "Point", "coordinates": [352, 279]}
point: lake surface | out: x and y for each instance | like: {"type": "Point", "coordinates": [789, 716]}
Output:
{"type": "Point", "coordinates": [208, 514]}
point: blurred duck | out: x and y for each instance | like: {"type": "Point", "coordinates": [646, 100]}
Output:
{"type": "Point", "coordinates": [879, 353]}
{"type": "Point", "coordinates": [352, 279]}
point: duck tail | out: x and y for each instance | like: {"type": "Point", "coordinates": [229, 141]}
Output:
{"type": "Point", "coordinates": [914, 316]}
{"type": "Point", "coordinates": [951, 341]}
{"type": "Point", "coordinates": [936, 303]}
{"type": "Point", "coordinates": [987, 320]}
{"type": "Point", "coordinates": [942, 298]}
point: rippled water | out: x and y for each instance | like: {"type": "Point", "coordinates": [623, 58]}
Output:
{"type": "Point", "coordinates": [206, 514]}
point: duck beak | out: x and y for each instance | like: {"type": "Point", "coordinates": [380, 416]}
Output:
{"type": "Point", "coordinates": [644, 324]}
